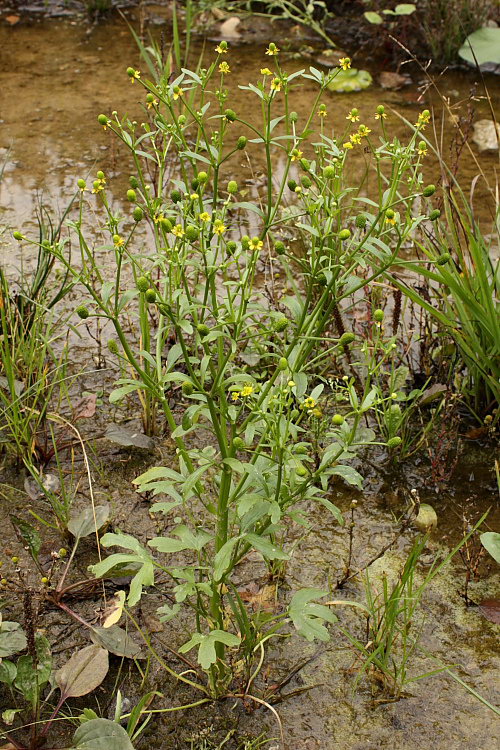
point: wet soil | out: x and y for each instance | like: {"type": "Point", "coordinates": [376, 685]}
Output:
{"type": "Point", "coordinates": [56, 77]}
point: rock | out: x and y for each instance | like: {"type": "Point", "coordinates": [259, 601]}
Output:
{"type": "Point", "coordinates": [228, 30]}
{"type": "Point", "coordinates": [485, 137]}
{"type": "Point", "coordinates": [328, 57]}
{"type": "Point", "coordinates": [393, 81]}
{"type": "Point", "coordinates": [426, 519]}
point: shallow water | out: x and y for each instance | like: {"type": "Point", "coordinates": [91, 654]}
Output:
{"type": "Point", "coordinates": [56, 77]}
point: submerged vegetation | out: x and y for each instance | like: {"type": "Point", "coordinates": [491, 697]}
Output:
{"type": "Point", "coordinates": [276, 346]}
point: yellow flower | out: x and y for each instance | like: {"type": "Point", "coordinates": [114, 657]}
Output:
{"type": "Point", "coordinates": [296, 154]}
{"type": "Point", "coordinates": [98, 185]}
{"type": "Point", "coordinates": [355, 138]}
{"type": "Point", "coordinates": [322, 110]}
{"type": "Point", "coordinates": [347, 145]}
{"type": "Point", "coordinates": [390, 216]}
{"type": "Point", "coordinates": [118, 241]}
{"type": "Point", "coordinates": [353, 115]}
{"type": "Point", "coordinates": [363, 131]}
{"type": "Point", "coordinates": [221, 48]}
{"type": "Point", "coordinates": [256, 243]}
{"type": "Point", "coordinates": [266, 72]}
{"type": "Point", "coordinates": [235, 395]}
{"type": "Point", "coordinates": [178, 92]}
{"type": "Point", "coordinates": [219, 227]}
{"type": "Point", "coordinates": [152, 103]}
{"type": "Point", "coordinates": [276, 84]}
{"type": "Point", "coordinates": [272, 49]}
{"type": "Point", "coordinates": [345, 63]}
{"type": "Point", "coordinates": [423, 119]}
{"type": "Point", "coordinates": [309, 403]}
{"type": "Point", "coordinates": [178, 230]}
{"type": "Point", "coordinates": [422, 149]}
{"type": "Point", "coordinates": [224, 67]}
{"type": "Point", "coordinates": [380, 113]}
{"type": "Point", "coordinates": [136, 75]}
{"type": "Point", "coordinates": [204, 216]}
{"type": "Point", "coordinates": [247, 390]}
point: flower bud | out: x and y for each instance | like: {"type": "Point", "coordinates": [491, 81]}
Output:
{"type": "Point", "coordinates": [18, 236]}
{"type": "Point", "coordinates": [203, 329]}
{"type": "Point", "coordinates": [338, 419]}
{"type": "Point", "coordinates": [187, 388]}
{"type": "Point", "coordinates": [283, 363]}
{"type": "Point", "coordinates": [182, 120]}
{"type": "Point", "coordinates": [166, 224]}
{"type": "Point", "coordinates": [293, 116]}
{"type": "Point", "coordinates": [202, 178]}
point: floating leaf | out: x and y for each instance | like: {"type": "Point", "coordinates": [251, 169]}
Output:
{"type": "Point", "coordinates": [83, 672]}
{"type": "Point", "coordinates": [128, 437]}
{"type": "Point", "coordinates": [101, 734]}
{"type": "Point", "coordinates": [491, 542]}
{"type": "Point", "coordinates": [346, 81]}
{"type": "Point", "coordinates": [482, 45]}
{"type": "Point", "coordinates": [88, 521]}
{"type": "Point", "coordinates": [117, 641]}
{"type": "Point", "coordinates": [12, 639]}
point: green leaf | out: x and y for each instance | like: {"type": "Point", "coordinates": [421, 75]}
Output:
{"type": "Point", "coordinates": [349, 474]}
{"type": "Point", "coordinates": [266, 548]}
{"type": "Point", "coordinates": [207, 654]}
{"type": "Point", "coordinates": [373, 17]}
{"type": "Point", "coordinates": [145, 574]}
{"type": "Point", "coordinates": [187, 540]}
{"type": "Point", "coordinates": [12, 639]}
{"type": "Point", "coordinates": [491, 542]}
{"type": "Point", "coordinates": [8, 672]}
{"type": "Point", "coordinates": [346, 81]}
{"type": "Point", "coordinates": [483, 45]}
{"type": "Point", "coordinates": [405, 9]}
{"type": "Point", "coordinates": [85, 671]}
{"type": "Point", "coordinates": [101, 734]}
{"type": "Point", "coordinates": [89, 521]}
{"type": "Point", "coordinates": [332, 508]}
{"type": "Point", "coordinates": [309, 617]}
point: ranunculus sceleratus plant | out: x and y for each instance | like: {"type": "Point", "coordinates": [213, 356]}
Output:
{"type": "Point", "coordinates": [250, 370]}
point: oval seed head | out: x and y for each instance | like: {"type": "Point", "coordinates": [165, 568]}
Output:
{"type": "Point", "coordinates": [62, 552]}
{"type": "Point", "coordinates": [192, 233]}
{"type": "Point", "coordinates": [150, 295]}
{"type": "Point", "coordinates": [434, 215]}
{"type": "Point", "coordinates": [112, 346]}
{"type": "Point", "coordinates": [281, 324]}
{"type": "Point", "coordinates": [202, 178]}
{"type": "Point", "coordinates": [230, 115]}
{"type": "Point", "coordinates": [347, 338]}
{"type": "Point", "coordinates": [394, 442]}
{"type": "Point", "coordinates": [166, 224]}
{"type": "Point", "coordinates": [443, 259]}
{"type": "Point", "coordinates": [241, 143]}
{"type": "Point", "coordinates": [187, 388]}
{"type": "Point", "coordinates": [245, 242]}
{"type": "Point", "coordinates": [344, 234]}
{"type": "Point", "coordinates": [283, 364]}
{"type": "Point", "coordinates": [203, 329]}
{"type": "Point", "coordinates": [338, 419]}
{"type": "Point", "coordinates": [176, 196]}
{"type": "Point", "coordinates": [329, 172]}
{"type": "Point", "coordinates": [232, 187]}
{"type": "Point", "coordinates": [292, 184]}
{"type": "Point", "coordinates": [360, 221]}
{"type": "Point", "coordinates": [378, 315]}
{"type": "Point", "coordinates": [428, 191]}
{"type": "Point", "coordinates": [100, 175]}
{"type": "Point", "coordinates": [279, 248]}
{"type": "Point", "coordinates": [231, 247]}
{"type": "Point", "coordinates": [133, 182]}
{"type": "Point", "coordinates": [131, 195]}
{"type": "Point", "coordinates": [102, 120]}
{"type": "Point", "coordinates": [82, 312]}
{"type": "Point", "coordinates": [142, 284]}
{"type": "Point", "coordinates": [306, 182]}
{"type": "Point", "coordinates": [81, 184]}
{"type": "Point", "coordinates": [18, 236]}
{"type": "Point", "coordinates": [239, 444]}
{"type": "Point", "coordinates": [138, 213]}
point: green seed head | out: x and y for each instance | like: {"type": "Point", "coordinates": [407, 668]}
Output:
{"type": "Point", "coordinates": [434, 215]}
{"type": "Point", "coordinates": [378, 315]}
{"type": "Point", "coordinates": [380, 109]}
{"type": "Point", "coordinates": [230, 115]}
{"type": "Point", "coordinates": [63, 552]}
{"type": "Point", "coordinates": [131, 195]}
{"type": "Point", "coordinates": [394, 442]}
{"type": "Point", "coordinates": [428, 191]}
{"type": "Point", "coordinates": [150, 295]}
{"type": "Point", "coordinates": [15, 559]}
{"type": "Point", "coordinates": [306, 182]}
{"type": "Point", "coordinates": [245, 242]}
{"type": "Point", "coordinates": [344, 234]}
{"type": "Point", "coordinates": [360, 221]}
{"type": "Point", "coordinates": [166, 224]}
{"type": "Point", "coordinates": [293, 117]}
{"type": "Point", "coordinates": [112, 346]}
{"type": "Point", "coordinates": [192, 233]}
{"type": "Point", "coordinates": [44, 580]}
{"type": "Point", "coordinates": [133, 182]}
{"type": "Point", "coordinates": [150, 98]}
{"type": "Point", "coordinates": [301, 470]}
{"type": "Point", "coordinates": [292, 185]}
{"type": "Point", "coordinates": [18, 236]}
{"type": "Point", "coordinates": [338, 419]}
{"type": "Point", "coordinates": [138, 213]}
{"type": "Point", "coordinates": [231, 247]}
{"type": "Point", "coordinates": [176, 196]}
{"type": "Point", "coordinates": [329, 172]}
{"type": "Point", "coordinates": [82, 312]}
{"type": "Point", "coordinates": [202, 178]}
{"type": "Point", "coordinates": [81, 184]}
{"type": "Point", "coordinates": [241, 143]}
{"type": "Point", "coordinates": [187, 388]}
{"type": "Point", "coordinates": [142, 284]}
{"type": "Point", "coordinates": [390, 213]}
{"type": "Point", "coordinates": [281, 324]}
{"type": "Point", "coordinates": [203, 329]}
{"type": "Point", "coordinates": [238, 444]}
{"type": "Point", "coordinates": [443, 259]}
{"type": "Point", "coordinates": [346, 338]}
{"type": "Point", "coordinates": [102, 120]}
{"type": "Point", "coordinates": [283, 364]}
{"type": "Point", "coordinates": [294, 414]}
{"type": "Point", "coordinates": [305, 164]}
{"type": "Point", "coordinates": [232, 187]}
{"type": "Point", "coordinates": [182, 120]}
{"type": "Point", "coordinates": [100, 175]}
{"type": "Point", "coordinates": [279, 248]}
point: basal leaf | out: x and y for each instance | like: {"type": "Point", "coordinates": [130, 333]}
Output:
{"type": "Point", "coordinates": [85, 671]}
